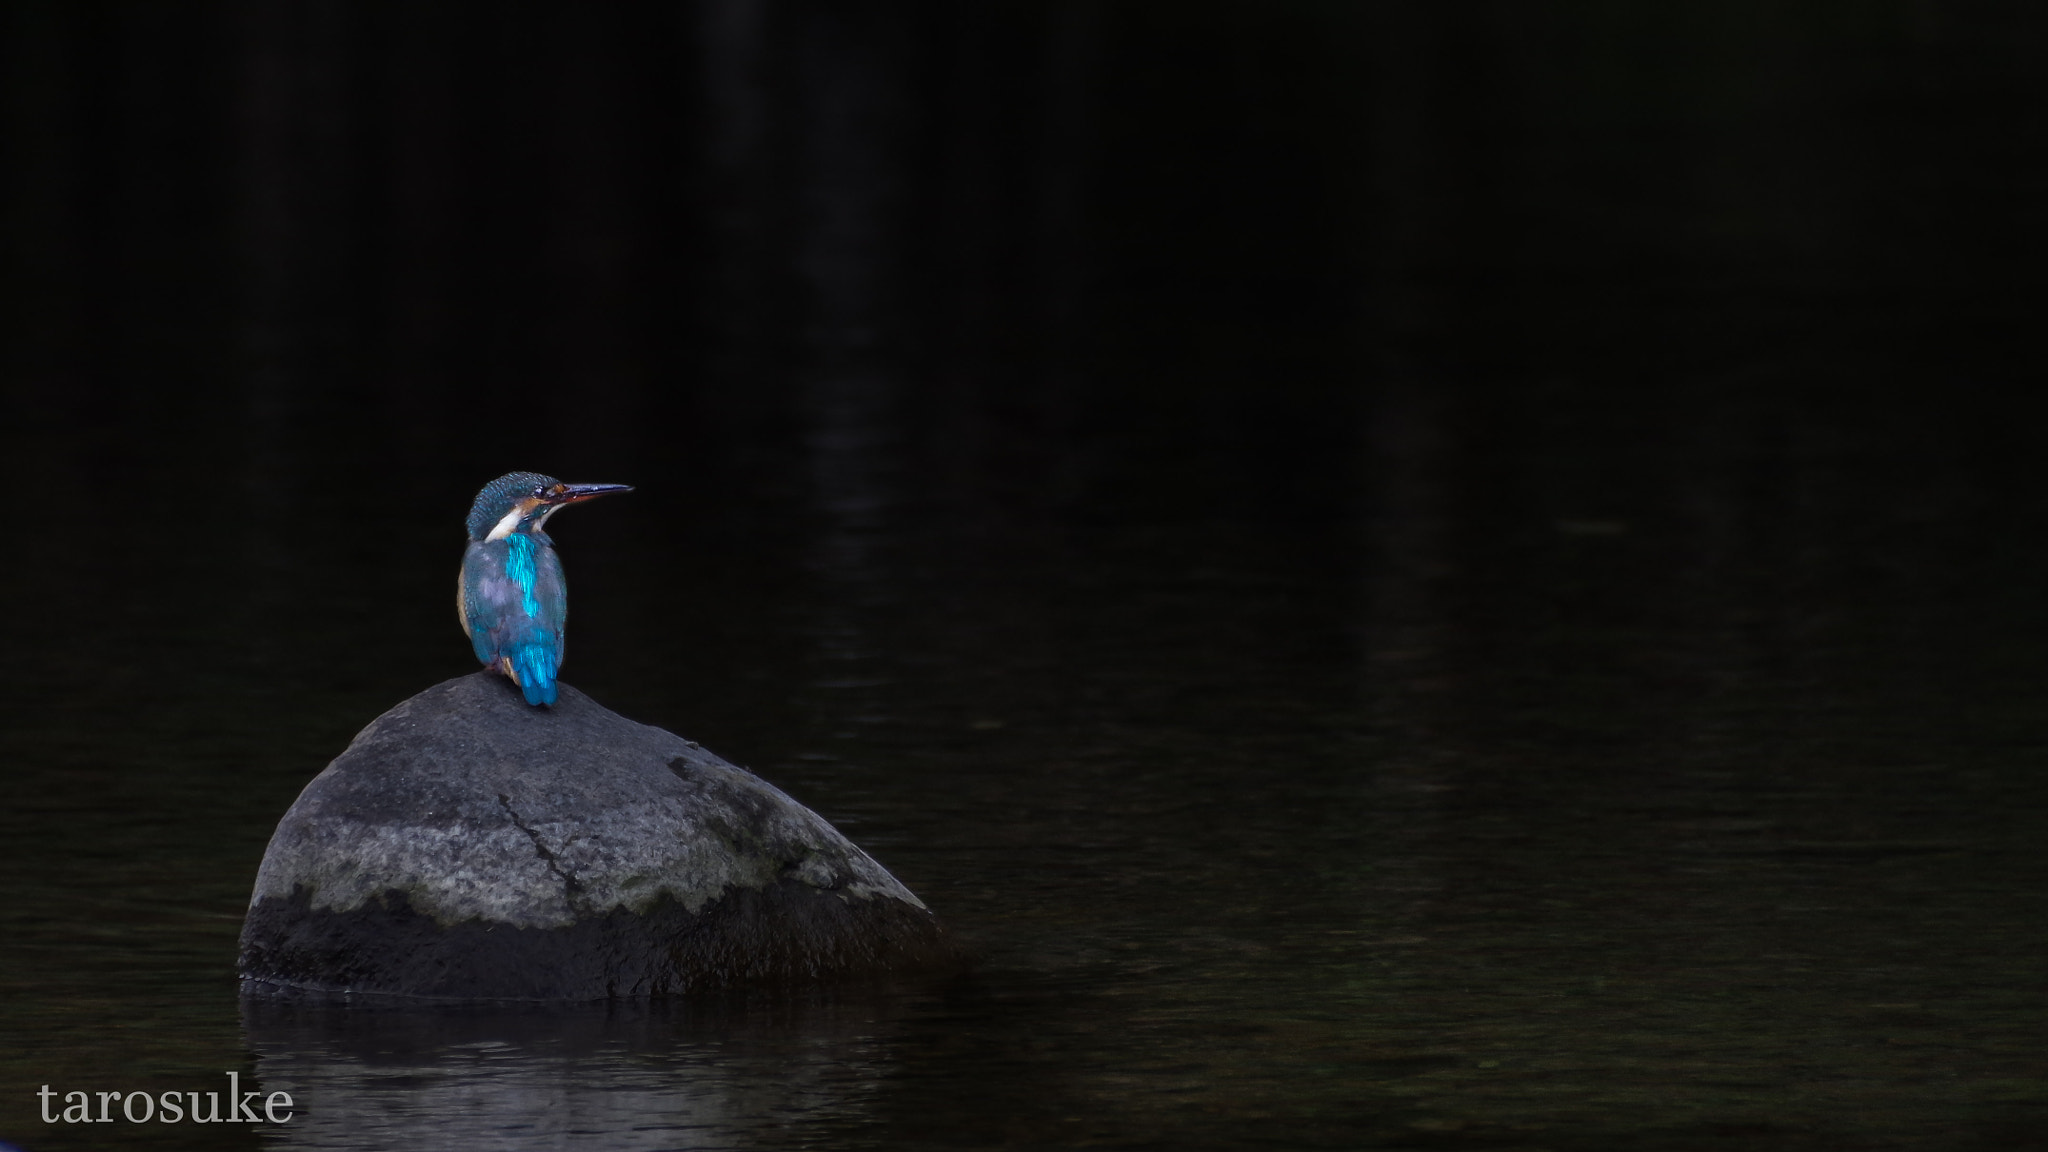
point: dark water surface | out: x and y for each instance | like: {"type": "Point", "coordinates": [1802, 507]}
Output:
{"type": "Point", "coordinates": [1405, 582]}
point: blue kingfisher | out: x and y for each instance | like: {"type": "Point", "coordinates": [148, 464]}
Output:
{"type": "Point", "coordinates": [511, 597]}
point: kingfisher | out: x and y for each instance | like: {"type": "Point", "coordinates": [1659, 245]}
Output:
{"type": "Point", "coordinates": [511, 597]}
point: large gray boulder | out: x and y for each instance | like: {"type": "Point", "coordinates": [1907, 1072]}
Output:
{"type": "Point", "coordinates": [468, 845]}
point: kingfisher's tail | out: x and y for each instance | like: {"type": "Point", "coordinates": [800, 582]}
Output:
{"type": "Point", "coordinates": [535, 665]}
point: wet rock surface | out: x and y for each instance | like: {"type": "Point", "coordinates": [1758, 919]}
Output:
{"type": "Point", "coordinates": [467, 845]}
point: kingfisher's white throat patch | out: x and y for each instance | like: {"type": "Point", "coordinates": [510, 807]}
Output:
{"type": "Point", "coordinates": [509, 523]}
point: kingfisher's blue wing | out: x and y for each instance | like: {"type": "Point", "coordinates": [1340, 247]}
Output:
{"type": "Point", "coordinates": [514, 605]}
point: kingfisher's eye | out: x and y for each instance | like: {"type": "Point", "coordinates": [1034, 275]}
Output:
{"type": "Point", "coordinates": [540, 491]}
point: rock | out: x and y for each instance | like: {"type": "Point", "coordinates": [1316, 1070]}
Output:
{"type": "Point", "coordinates": [467, 845]}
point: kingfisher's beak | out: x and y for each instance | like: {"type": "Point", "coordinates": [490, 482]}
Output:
{"type": "Point", "coordinates": [575, 493]}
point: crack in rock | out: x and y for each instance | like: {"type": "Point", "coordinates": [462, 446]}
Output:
{"type": "Point", "coordinates": [571, 886]}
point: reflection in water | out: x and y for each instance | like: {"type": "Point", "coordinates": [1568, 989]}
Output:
{"type": "Point", "coordinates": [1408, 662]}
{"type": "Point", "coordinates": [852, 79]}
{"type": "Point", "coordinates": [668, 1075]}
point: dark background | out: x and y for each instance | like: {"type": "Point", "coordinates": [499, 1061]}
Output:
{"type": "Point", "coordinates": [1307, 531]}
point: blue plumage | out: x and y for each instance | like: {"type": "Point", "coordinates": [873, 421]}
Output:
{"type": "Point", "coordinates": [512, 598]}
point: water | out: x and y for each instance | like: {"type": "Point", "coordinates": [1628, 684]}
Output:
{"type": "Point", "coordinates": [1402, 583]}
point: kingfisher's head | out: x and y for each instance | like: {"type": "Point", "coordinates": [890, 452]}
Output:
{"type": "Point", "coordinates": [523, 501]}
